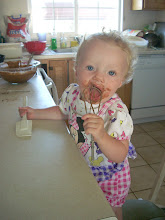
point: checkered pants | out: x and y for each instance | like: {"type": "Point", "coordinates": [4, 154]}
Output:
{"type": "Point", "coordinates": [116, 189]}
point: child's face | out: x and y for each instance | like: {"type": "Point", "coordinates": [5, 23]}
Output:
{"type": "Point", "coordinates": [102, 66]}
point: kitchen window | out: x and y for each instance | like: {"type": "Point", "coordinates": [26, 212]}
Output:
{"type": "Point", "coordinates": [76, 16]}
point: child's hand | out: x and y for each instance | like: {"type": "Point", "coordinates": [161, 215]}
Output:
{"type": "Point", "coordinates": [26, 110]}
{"type": "Point", "coordinates": [94, 124]}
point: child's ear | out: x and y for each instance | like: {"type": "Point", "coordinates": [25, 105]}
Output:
{"type": "Point", "coordinates": [121, 83]}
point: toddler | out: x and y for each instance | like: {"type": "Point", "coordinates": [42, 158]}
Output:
{"type": "Point", "coordinates": [98, 120]}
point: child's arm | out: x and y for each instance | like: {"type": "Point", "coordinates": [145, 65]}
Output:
{"type": "Point", "coordinates": [114, 150]}
{"type": "Point", "coordinates": [53, 113]}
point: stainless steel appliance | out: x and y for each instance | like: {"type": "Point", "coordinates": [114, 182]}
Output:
{"type": "Point", "coordinates": [160, 31]}
{"type": "Point", "coordinates": [148, 89]}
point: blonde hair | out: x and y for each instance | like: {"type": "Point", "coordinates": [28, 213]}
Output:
{"type": "Point", "coordinates": [120, 41]}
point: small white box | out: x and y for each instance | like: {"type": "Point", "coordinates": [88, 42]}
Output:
{"type": "Point", "coordinates": [11, 50]}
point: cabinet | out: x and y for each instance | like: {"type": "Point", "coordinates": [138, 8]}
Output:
{"type": "Point", "coordinates": [124, 93]}
{"type": "Point", "coordinates": [59, 74]}
{"type": "Point", "coordinates": [148, 4]}
{"type": "Point", "coordinates": [62, 73]}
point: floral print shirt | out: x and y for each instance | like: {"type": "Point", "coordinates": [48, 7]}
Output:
{"type": "Point", "coordinates": [117, 123]}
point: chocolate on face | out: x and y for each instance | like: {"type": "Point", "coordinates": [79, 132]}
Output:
{"type": "Point", "coordinates": [94, 94]}
{"type": "Point", "coordinates": [96, 83]}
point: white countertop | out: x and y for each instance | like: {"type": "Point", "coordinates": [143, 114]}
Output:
{"type": "Point", "coordinates": [143, 51]}
{"type": "Point", "coordinates": [45, 176]}
{"type": "Point", "coordinates": [49, 54]}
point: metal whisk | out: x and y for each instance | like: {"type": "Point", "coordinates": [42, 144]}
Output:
{"type": "Point", "coordinates": [92, 139]}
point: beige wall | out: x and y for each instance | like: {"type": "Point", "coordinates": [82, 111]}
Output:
{"type": "Point", "coordinates": [132, 19]}
{"type": "Point", "coordinates": [10, 7]}
{"type": "Point", "coordinates": [161, 16]}
{"type": "Point", "coordinates": [138, 19]}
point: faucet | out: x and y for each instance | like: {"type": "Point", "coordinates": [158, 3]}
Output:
{"type": "Point", "coordinates": [78, 39]}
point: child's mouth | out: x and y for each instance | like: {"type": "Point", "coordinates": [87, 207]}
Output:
{"type": "Point", "coordinates": [95, 94]}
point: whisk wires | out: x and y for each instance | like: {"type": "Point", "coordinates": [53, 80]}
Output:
{"type": "Point", "coordinates": [91, 107]}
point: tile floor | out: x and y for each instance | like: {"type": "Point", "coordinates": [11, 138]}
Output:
{"type": "Point", "coordinates": [149, 141]}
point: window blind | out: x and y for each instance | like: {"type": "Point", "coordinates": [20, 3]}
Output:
{"type": "Point", "coordinates": [76, 16]}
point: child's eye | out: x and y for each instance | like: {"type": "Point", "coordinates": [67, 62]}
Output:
{"type": "Point", "coordinates": [90, 68]}
{"type": "Point", "coordinates": [111, 73]}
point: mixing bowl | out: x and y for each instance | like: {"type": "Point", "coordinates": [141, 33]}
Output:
{"type": "Point", "coordinates": [35, 47]}
{"type": "Point", "coordinates": [18, 71]}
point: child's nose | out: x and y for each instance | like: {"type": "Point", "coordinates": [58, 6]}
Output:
{"type": "Point", "coordinates": [100, 76]}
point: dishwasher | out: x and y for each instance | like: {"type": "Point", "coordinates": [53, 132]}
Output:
{"type": "Point", "coordinates": [148, 89]}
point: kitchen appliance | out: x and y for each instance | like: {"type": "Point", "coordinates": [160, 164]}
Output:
{"type": "Point", "coordinates": [160, 30]}
{"type": "Point", "coordinates": [148, 89]}
{"type": "Point", "coordinates": [2, 57]}
{"type": "Point", "coordinates": [153, 39]}
{"type": "Point", "coordinates": [11, 50]}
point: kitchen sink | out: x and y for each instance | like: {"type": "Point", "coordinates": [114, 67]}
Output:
{"type": "Point", "coordinates": [67, 50]}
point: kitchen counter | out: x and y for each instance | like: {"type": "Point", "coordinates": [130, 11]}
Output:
{"type": "Point", "coordinates": [49, 54]}
{"type": "Point", "coordinates": [43, 176]}
{"type": "Point", "coordinates": [150, 51]}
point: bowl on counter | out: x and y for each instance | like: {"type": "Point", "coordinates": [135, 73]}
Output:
{"type": "Point", "coordinates": [35, 47]}
{"type": "Point", "coordinates": [18, 71]}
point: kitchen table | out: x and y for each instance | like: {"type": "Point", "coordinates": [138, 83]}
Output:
{"type": "Point", "coordinates": [43, 176]}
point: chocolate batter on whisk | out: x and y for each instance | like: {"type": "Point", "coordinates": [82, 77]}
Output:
{"type": "Point", "coordinates": [95, 95]}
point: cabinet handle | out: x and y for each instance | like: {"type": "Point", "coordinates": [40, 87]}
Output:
{"type": "Point", "coordinates": [50, 67]}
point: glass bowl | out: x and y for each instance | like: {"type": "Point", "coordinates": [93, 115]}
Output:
{"type": "Point", "coordinates": [18, 71]}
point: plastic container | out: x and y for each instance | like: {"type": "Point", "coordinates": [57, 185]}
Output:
{"type": "Point", "coordinates": [74, 43]}
{"type": "Point", "coordinates": [11, 50]}
{"type": "Point", "coordinates": [54, 41]}
{"type": "Point", "coordinates": [63, 42]}
{"type": "Point", "coordinates": [41, 36]}
{"type": "Point", "coordinates": [2, 39]}
{"type": "Point", "coordinates": [138, 41]}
